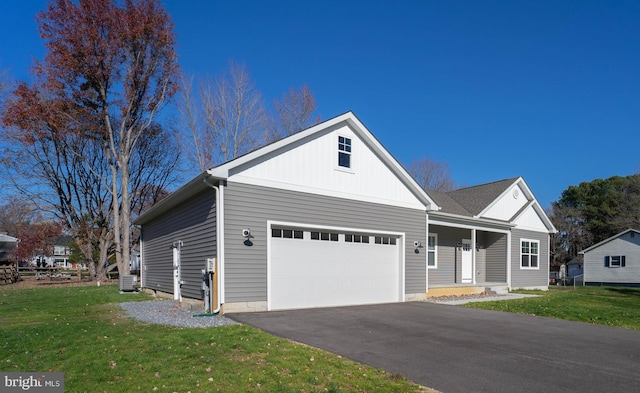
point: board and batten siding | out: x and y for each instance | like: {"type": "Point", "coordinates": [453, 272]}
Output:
{"type": "Point", "coordinates": [250, 207]}
{"type": "Point", "coordinates": [627, 244]}
{"type": "Point", "coordinates": [529, 278]}
{"type": "Point", "coordinates": [193, 223]}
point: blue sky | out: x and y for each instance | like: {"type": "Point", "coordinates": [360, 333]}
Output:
{"type": "Point", "coordinates": [546, 90]}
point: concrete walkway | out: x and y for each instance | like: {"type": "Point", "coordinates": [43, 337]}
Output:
{"type": "Point", "coordinates": [466, 300]}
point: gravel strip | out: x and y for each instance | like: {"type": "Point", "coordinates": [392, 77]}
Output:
{"type": "Point", "coordinates": [170, 312]}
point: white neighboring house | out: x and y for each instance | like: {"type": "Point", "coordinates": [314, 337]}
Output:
{"type": "Point", "coordinates": [614, 261]}
{"type": "Point", "coordinates": [60, 257]}
{"type": "Point", "coordinates": [7, 245]}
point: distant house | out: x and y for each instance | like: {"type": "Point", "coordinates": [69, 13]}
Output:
{"type": "Point", "coordinates": [574, 268]}
{"type": "Point", "coordinates": [614, 261]}
{"type": "Point", "coordinates": [7, 245]}
{"type": "Point", "coordinates": [328, 217]}
{"type": "Point", "coordinates": [60, 257]}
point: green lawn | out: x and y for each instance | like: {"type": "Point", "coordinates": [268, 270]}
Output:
{"type": "Point", "coordinates": [612, 306]}
{"type": "Point", "coordinates": [82, 332]}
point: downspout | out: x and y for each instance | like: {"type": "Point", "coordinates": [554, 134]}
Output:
{"type": "Point", "coordinates": [509, 260]}
{"type": "Point", "coordinates": [426, 260]}
{"type": "Point", "coordinates": [219, 246]}
{"type": "Point", "coordinates": [142, 265]}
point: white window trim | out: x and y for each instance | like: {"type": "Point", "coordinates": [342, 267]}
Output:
{"type": "Point", "coordinates": [520, 261]}
{"type": "Point", "coordinates": [337, 155]}
{"type": "Point", "coordinates": [435, 252]}
{"type": "Point", "coordinates": [619, 265]}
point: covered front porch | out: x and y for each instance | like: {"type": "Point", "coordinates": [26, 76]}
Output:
{"type": "Point", "coordinates": [466, 259]}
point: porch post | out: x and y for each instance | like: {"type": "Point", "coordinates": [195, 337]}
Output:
{"type": "Point", "coordinates": [473, 254]}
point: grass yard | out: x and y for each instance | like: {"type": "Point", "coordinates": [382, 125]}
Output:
{"type": "Point", "coordinates": [611, 306]}
{"type": "Point", "coordinates": [82, 332]}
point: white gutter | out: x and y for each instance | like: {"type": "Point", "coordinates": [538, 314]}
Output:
{"type": "Point", "coordinates": [219, 246]}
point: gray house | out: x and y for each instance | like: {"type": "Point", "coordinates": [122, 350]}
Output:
{"type": "Point", "coordinates": [614, 261]}
{"type": "Point", "coordinates": [327, 217]}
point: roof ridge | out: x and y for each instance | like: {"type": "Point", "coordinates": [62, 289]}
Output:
{"type": "Point", "coordinates": [511, 179]}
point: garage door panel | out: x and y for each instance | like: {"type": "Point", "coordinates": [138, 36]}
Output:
{"type": "Point", "coordinates": [314, 273]}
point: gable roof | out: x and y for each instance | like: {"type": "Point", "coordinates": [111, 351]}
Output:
{"type": "Point", "coordinates": [608, 240]}
{"type": "Point", "coordinates": [476, 199]}
{"type": "Point", "coordinates": [473, 202]}
{"type": "Point", "coordinates": [227, 169]}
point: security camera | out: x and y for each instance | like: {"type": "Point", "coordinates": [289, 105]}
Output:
{"type": "Point", "coordinates": [246, 232]}
{"type": "Point", "coordinates": [416, 244]}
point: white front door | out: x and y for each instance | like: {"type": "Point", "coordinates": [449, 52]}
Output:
{"type": "Point", "coordinates": [467, 261]}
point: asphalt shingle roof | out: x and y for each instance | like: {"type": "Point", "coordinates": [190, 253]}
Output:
{"type": "Point", "coordinates": [470, 201]}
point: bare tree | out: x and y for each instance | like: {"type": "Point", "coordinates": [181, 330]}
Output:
{"type": "Point", "coordinates": [110, 66]}
{"type": "Point", "coordinates": [221, 120]}
{"type": "Point", "coordinates": [225, 119]}
{"type": "Point", "coordinates": [432, 175]}
{"type": "Point", "coordinates": [58, 171]}
{"type": "Point", "coordinates": [294, 112]}
{"type": "Point", "coordinates": [118, 64]}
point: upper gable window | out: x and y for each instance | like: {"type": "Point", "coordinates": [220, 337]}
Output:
{"type": "Point", "coordinates": [344, 152]}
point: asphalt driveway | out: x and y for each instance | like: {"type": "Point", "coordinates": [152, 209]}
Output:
{"type": "Point", "coordinates": [458, 349]}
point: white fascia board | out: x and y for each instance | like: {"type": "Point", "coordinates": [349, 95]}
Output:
{"type": "Point", "coordinates": [392, 162]}
{"type": "Point", "coordinates": [222, 171]}
{"type": "Point", "coordinates": [456, 221]}
{"type": "Point", "coordinates": [173, 199]}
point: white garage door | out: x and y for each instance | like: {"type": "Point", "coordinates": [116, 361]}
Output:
{"type": "Point", "coordinates": [313, 268]}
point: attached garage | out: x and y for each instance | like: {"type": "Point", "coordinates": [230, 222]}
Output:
{"type": "Point", "coordinates": [324, 267]}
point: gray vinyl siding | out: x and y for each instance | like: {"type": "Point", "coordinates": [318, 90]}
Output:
{"type": "Point", "coordinates": [495, 255]}
{"type": "Point", "coordinates": [447, 272]}
{"type": "Point", "coordinates": [595, 270]}
{"type": "Point", "coordinates": [525, 278]}
{"type": "Point", "coordinates": [249, 206]}
{"type": "Point", "coordinates": [481, 257]}
{"type": "Point", "coordinates": [193, 223]}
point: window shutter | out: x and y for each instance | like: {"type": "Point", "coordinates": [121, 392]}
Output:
{"type": "Point", "coordinates": [606, 261]}
{"type": "Point", "coordinates": [622, 263]}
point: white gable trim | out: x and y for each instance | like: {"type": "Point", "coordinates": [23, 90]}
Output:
{"type": "Point", "coordinates": [519, 182]}
{"type": "Point", "coordinates": [225, 170]}
{"type": "Point", "coordinates": [541, 214]}
{"type": "Point", "coordinates": [608, 240]}
{"type": "Point", "coordinates": [508, 190]}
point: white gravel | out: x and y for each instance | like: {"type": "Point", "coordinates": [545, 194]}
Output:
{"type": "Point", "coordinates": [170, 312]}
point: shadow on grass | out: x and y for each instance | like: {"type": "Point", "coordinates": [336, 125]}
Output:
{"type": "Point", "coordinates": [627, 291]}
